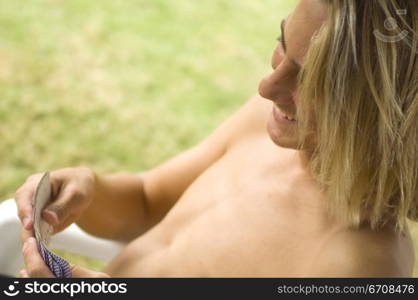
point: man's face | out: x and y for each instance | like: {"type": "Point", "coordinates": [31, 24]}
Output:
{"type": "Point", "coordinates": [281, 85]}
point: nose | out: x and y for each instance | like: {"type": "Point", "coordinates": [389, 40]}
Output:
{"type": "Point", "coordinates": [280, 86]}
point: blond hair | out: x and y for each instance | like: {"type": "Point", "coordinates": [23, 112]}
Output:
{"type": "Point", "coordinates": [359, 104]}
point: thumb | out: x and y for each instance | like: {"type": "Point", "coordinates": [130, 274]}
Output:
{"type": "Point", "coordinates": [80, 272]}
{"type": "Point", "coordinates": [35, 265]}
{"type": "Point", "coordinates": [57, 211]}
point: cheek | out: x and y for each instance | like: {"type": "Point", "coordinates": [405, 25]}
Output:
{"type": "Point", "coordinates": [296, 94]}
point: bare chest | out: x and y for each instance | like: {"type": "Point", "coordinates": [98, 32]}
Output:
{"type": "Point", "coordinates": [239, 218]}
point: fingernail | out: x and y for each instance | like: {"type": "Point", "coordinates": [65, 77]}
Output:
{"type": "Point", "coordinates": [53, 217]}
{"type": "Point", "coordinates": [27, 243]}
{"type": "Point", "coordinates": [26, 221]}
{"type": "Point", "coordinates": [23, 274]}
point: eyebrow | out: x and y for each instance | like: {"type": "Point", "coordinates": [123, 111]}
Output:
{"type": "Point", "coordinates": [282, 33]}
{"type": "Point", "coordinates": [283, 41]}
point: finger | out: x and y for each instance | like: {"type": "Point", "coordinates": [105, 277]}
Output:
{"type": "Point", "coordinates": [50, 217]}
{"type": "Point", "coordinates": [23, 200]}
{"type": "Point", "coordinates": [79, 272]}
{"type": "Point", "coordinates": [63, 224]}
{"type": "Point", "coordinates": [35, 265]}
{"type": "Point", "coordinates": [25, 234]}
{"type": "Point", "coordinates": [23, 274]}
{"type": "Point", "coordinates": [57, 211]}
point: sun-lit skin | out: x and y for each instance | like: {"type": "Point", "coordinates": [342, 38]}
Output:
{"type": "Point", "coordinates": [239, 204]}
{"type": "Point", "coordinates": [281, 86]}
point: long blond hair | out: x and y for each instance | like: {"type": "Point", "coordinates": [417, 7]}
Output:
{"type": "Point", "coordinates": [358, 102]}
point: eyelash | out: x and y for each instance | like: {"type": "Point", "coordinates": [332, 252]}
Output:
{"type": "Point", "coordinates": [280, 39]}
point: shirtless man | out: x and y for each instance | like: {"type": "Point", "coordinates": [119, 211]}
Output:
{"type": "Point", "coordinates": [241, 203]}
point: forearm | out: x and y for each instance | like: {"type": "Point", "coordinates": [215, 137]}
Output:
{"type": "Point", "coordinates": [118, 209]}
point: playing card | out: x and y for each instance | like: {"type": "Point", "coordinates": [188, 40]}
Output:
{"type": "Point", "coordinates": [58, 266]}
{"type": "Point", "coordinates": [42, 196]}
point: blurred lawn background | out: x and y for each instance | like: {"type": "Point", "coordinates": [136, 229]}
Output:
{"type": "Point", "coordinates": [123, 85]}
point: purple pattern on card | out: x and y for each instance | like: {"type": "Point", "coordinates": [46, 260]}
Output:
{"type": "Point", "coordinates": [57, 265]}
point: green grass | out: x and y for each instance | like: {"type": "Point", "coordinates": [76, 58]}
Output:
{"type": "Point", "coordinates": [123, 85]}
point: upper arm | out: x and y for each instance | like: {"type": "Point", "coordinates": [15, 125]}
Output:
{"type": "Point", "coordinates": [346, 257]}
{"type": "Point", "coordinates": [164, 184]}
{"type": "Point", "coordinates": [357, 266]}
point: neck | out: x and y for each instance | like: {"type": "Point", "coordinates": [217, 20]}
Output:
{"type": "Point", "coordinates": [304, 159]}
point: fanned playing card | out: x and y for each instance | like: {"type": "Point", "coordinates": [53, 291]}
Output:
{"type": "Point", "coordinates": [58, 266]}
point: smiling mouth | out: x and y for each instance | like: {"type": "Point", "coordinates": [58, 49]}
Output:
{"type": "Point", "coordinates": [281, 116]}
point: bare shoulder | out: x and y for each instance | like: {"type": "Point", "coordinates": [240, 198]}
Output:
{"type": "Point", "coordinates": [365, 253]}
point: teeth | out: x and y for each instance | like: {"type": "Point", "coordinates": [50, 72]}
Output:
{"type": "Point", "coordinates": [286, 116]}
{"type": "Point", "coordinates": [289, 118]}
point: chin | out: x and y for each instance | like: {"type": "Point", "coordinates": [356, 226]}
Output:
{"type": "Point", "coordinates": [282, 137]}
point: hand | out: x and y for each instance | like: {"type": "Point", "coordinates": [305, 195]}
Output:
{"type": "Point", "coordinates": [36, 267]}
{"type": "Point", "coordinates": [72, 193]}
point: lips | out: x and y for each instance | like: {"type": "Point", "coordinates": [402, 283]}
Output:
{"type": "Point", "coordinates": [280, 115]}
